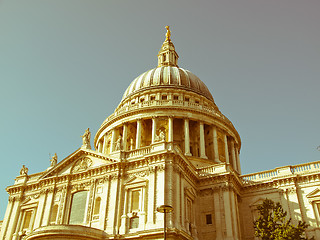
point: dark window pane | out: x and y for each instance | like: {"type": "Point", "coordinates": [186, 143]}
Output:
{"type": "Point", "coordinates": [209, 219]}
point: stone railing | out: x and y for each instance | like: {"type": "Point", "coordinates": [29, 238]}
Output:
{"type": "Point", "coordinates": [210, 170]}
{"type": "Point", "coordinates": [174, 103]}
{"type": "Point", "coordinates": [280, 172]}
{"type": "Point", "coordinates": [138, 152]}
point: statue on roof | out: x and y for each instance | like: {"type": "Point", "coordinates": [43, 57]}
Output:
{"type": "Point", "coordinates": [54, 160]}
{"type": "Point", "coordinates": [86, 139]}
{"type": "Point", "coordinates": [168, 34]}
{"type": "Point", "coordinates": [24, 171]}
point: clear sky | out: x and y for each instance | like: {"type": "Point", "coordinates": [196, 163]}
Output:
{"type": "Point", "coordinates": [64, 66]}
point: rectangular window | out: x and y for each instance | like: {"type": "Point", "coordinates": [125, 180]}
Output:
{"type": "Point", "coordinates": [135, 201]}
{"type": "Point", "coordinates": [27, 219]}
{"type": "Point", "coordinates": [208, 218]}
{"type": "Point", "coordinates": [175, 97]}
{"type": "Point", "coordinates": [164, 97]}
{"type": "Point", "coordinates": [78, 207]}
{"type": "Point", "coordinates": [152, 98]}
{"type": "Point", "coordinates": [54, 213]}
{"type": "Point", "coordinates": [189, 210]}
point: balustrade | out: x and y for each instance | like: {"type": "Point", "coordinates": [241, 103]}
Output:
{"type": "Point", "coordinates": [267, 175]}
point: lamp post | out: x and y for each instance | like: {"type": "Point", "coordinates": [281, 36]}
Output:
{"type": "Point", "coordinates": [165, 209]}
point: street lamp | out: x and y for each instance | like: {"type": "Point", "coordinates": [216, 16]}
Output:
{"type": "Point", "coordinates": [165, 209]}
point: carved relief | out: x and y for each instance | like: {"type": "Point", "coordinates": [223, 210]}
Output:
{"type": "Point", "coordinates": [81, 165]}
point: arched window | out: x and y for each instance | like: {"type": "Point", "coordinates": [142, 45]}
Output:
{"type": "Point", "coordinates": [97, 204]}
{"type": "Point", "coordinates": [54, 213]}
{"type": "Point", "coordinates": [78, 207]}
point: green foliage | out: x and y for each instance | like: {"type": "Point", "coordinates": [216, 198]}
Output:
{"type": "Point", "coordinates": [272, 223]}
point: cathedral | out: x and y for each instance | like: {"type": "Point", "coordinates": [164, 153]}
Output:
{"type": "Point", "coordinates": [165, 164]}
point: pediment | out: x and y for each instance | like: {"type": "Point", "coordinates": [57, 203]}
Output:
{"type": "Point", "coordinates": [30, 199]}
{"type": "Point", "coordinates": [134, 180]}
{"type": "Point", "coordinates": [313, 195]}
{"type": "Point", "coordinates": [79, 161]}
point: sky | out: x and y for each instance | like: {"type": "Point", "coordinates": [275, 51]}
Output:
{"type": "Point", "coordinates": [64, 66]}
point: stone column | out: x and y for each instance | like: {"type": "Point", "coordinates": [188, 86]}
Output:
{"type": "Point", "coordinates": [113, 140]}
{"type": "Point", "coordinates": [226, 151]}
{"type": "Point", "coordinates": [215, 145]}
{"type": "Point", "coordinates": [238, 159]}
{"type": "Point", "coordinates": [154, 129]}
{"type": "Point", "coordinates": [138, 136]}
{"type": "Point", "coordinates": [7, 218]}
{"type": "Point", "coordinates": [14, 218]}
{"type": "Point", "coordinates": [186, 138]}
{"type": "Point", "coordinates": [202, 142]}
{"type": "Point", "coordinates": [233, 155]}
{"type": "Point", "coordinates": [124, 137]}
{"type": "Point", "coordinates": [100, 146]}
{"type": "Point", "coordinates": [104, 144]}
{"type": "Point", "coordinates": [170, 128]}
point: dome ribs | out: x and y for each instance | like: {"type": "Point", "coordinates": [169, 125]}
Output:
{"type": "Point", "coordinates": [168, 76]}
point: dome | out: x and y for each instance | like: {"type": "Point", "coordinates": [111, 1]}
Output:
{"type": "Point", "coordinates": [168, 77]}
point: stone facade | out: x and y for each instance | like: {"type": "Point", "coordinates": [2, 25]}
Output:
{"type": "Point", "coordinates": [166, 143]}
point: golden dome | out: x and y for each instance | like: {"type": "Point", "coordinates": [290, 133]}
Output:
{"type": "Point", "coordinates": [168, 77]}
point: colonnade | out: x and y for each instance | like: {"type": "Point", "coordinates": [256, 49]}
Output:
{"type": "Point", "coordinates": [230, 154]}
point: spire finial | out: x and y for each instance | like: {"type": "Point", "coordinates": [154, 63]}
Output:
{"type": "Point", "coordinates": [168, 34]}
{"type": "Point", "coordinates": [167, 55]}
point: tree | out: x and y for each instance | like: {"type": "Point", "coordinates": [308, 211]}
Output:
{"type": "Point", "coordinates": [272, 223]}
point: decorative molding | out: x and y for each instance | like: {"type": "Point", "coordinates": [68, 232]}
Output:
{"type": "Point", "coordinates": [81, 165]}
